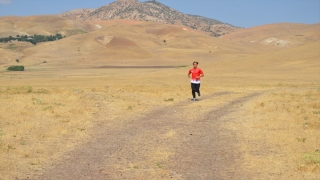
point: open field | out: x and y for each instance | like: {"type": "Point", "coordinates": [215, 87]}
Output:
{"type": "Point", "coordinates": [80, 115]}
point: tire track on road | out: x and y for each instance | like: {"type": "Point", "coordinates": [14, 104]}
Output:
{"type": "Point", "coordinates": [210, 151]}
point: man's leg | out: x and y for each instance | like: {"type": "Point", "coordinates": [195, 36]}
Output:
{"type": "Point", "coordinates": [193, 88]}
{"type": "Point", "coordinates": [198, 89]}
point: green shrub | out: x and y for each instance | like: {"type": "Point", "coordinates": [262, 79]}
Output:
{"type": "Point", "coordinates": [16, 68]}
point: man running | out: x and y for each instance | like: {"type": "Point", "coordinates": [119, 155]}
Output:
{"type": "Point", "coordinates": [197, 73]}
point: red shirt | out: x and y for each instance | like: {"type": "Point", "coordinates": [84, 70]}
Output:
{"type": "Point", "coordinates": [195, 73]}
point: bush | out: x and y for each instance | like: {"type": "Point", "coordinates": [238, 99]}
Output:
{"type": "Point", "coordinates": [17, 60]}
{"type": "Point", "coordinates": [16, 68]}
{"type": "Point", "coordinates": [312, 157]}
{"type": "Point", "coordinates": [170, 99]}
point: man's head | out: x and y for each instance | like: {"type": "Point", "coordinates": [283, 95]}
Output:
{"type": "Point", "coordinates": [195, 64]}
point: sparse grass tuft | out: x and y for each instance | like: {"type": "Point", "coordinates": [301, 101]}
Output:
{"type": "Point", "coordinates": [43, 91]}
{"type": "Point", "coordinates": [18, 89]}
{"type": "Point", "coordinates": [11, 47]}
{"type": "Point", "coordinates": [159, 165]}
{"type": "Point", "coordinates": [46, 108]}
{"type": "Point", "coordinates": [59, 104]}
{"type": "Point", "coordinates": [313, 158]}
{"type": "Point", "coordinates": [279, 84]}
{"type": "Point", "coordinates": [80, 31]}
{"type": "Point", "coordinates": [170, 99]}
{"type": "Point", "coordinates": [23, 143]}
{"type": "Point", "coordinates": [301, 139]}
{"type": "Point", "coordinates": [37, 100]}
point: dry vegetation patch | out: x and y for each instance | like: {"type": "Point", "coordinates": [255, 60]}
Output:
{"type": "Point", "coordinates": [39, 124]}
{"type": "Point", "coordinates": [280, 134]}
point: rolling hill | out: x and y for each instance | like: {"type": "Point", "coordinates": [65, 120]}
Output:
{"type": "Point", "coordinates": [277, 35]}
{"type": "Point", "coordinates": [45, 25]}
{"type": "Point", "coordinates": [130, 42]}
{"type": "Point", "coordinates": [122, 42]}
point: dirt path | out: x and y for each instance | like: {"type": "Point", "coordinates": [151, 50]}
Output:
{"type": "Point", "coordinates": [160, 145]}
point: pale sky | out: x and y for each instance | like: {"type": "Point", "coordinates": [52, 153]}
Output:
{"type": "Point", "coordinates": [243, 13]}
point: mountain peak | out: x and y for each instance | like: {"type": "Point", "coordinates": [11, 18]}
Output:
{"type": "Point", "coordinates": [151, 11]}
{"type": "Point", "coordinates": [128, 1]}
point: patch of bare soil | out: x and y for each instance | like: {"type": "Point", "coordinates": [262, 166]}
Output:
{"type": "Point", "coordinates": [120, 41]}
{"type": "Point", "coordinates": [157, 145]}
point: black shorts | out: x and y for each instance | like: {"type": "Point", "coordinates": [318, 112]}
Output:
{"type": "Point", "coordinates": [195, 87]}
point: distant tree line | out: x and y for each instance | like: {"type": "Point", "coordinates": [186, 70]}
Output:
{"type": "Point", "coordinates": [32, 39]}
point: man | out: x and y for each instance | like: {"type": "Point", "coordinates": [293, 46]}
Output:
{"type": "Point", "coordinates": [196, 73]}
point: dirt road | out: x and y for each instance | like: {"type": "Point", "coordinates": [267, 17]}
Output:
{"type": "Point", "coordinates": [159, 145]}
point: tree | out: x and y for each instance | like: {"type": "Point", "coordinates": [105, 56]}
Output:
{"type": "Point", "coordinates": [59, 36]}
{"type": "Point", "coordinates": [33, 39]}
{"type": "Point", "coordinates": [33, 42]}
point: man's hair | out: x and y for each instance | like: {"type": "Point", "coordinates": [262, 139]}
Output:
{"type": "Point", "coordinates": [195, 62]}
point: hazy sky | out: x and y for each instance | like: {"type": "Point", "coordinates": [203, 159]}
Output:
{"type": "Point", "coordinates": [244, 13]}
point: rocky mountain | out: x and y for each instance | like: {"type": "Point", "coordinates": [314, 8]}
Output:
{"type": "Point", "coordinates": [150, 11]}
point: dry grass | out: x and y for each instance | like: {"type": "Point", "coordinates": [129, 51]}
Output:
{"type": "Point", "coordinates": [280, 134]}
{"type": "Point", "coordinates": [40, 124]}
{"type": "Point", "coordinates": [39, 120]}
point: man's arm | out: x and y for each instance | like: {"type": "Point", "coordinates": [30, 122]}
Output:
{"type": "Point", "coordinates": [201, 74]}
{"type": "Point", "coordinates": [189, 74]}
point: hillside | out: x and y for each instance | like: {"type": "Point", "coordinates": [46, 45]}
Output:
{"type": "Point", "coordinates": [129, 42]}
{"type": "Point", "coordinates": [150, 11]}
{"type": "Point", "coordinates": [281, 35]}
{"type": "Point", "coordinates": [121, 42]}
{"type": "Point", "coordinates": [45, 25]}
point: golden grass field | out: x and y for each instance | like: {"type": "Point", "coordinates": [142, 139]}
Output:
{"type": "Point", "coordinates": [51, 108]}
